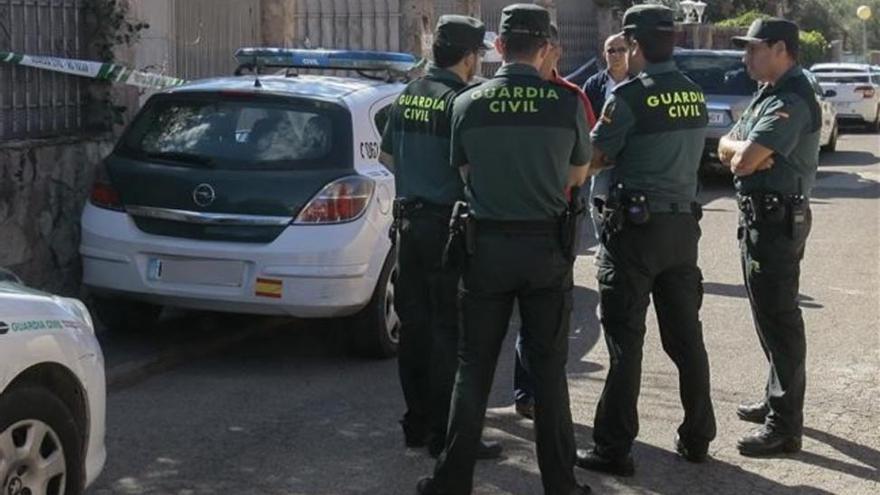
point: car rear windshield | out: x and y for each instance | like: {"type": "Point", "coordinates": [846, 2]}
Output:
{"type": "Point", "coordinates": [229, 131]}
{"type": "Point", "coordinates": [717, 75]}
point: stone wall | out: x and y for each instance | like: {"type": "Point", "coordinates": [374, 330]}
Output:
{"type": "Point", "coordinates": [43, 187]}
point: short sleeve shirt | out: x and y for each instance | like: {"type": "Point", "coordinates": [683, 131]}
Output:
{"type": "Point", "coordinates": [787, 119]}
{"type": "Point", "coordinates": [653, 127]}
{"type": "Point", "coordinates": [518, 134]}
{"type": "Point", "coordinates": [417, 136]}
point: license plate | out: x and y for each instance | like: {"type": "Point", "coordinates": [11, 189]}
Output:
{"type": "Point", "coordinates": [194, 271]}
{"type": "Point", "coordinates": [716, 118]}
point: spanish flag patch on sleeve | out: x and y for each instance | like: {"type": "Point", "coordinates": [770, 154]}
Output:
{"type": "Point", "coordinates": [268, 287]}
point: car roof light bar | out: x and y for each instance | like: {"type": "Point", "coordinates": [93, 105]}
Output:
{"type": "Point", "coordinates": [358, 60]}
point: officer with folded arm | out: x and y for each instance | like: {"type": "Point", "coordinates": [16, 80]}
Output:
{"type": "Point", "coordinates": [415, 145]}
{"type": "Point", "coordinates": [652, 129]}
{"type": "Point", "coordinates": [773, 152]}
{"type": "Point", "coordinates": [521, 142]}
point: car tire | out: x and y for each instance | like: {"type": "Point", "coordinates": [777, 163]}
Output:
{"type": "Point", "coordinates": [875, 126]}
{"type": "Point", "coordinates": [125, 315]}
{"type": "Point", "coordinates": [832, 141]}
{"type": "Point", "coordinates": [376, 328]}
{"type": "Point", "coordinates": [35, 414]}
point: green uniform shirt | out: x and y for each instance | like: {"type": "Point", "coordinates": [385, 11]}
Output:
{"type": "Point", "coordinates": [519, 134]}
{"type": "Point", "coordinates": [417, 136]}
{"type": "Point", "coordinates": [787, 119]}
{"type": "Point", "coordinates": [654, 129]}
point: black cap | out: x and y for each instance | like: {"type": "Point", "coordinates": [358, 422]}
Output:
{"type": "Point", "coordinates": [770, 29]}
{"type": "Point", "coordinates": [525, 19]}
{"type": "Point", "coordinates": [648, 17]}
{"type": "Point", "coordinates": [461, 30]}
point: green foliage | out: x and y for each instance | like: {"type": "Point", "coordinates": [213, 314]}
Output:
{"type": "Point", "coordinates": [813, 48]}
{"type": "Point", "coordinates": [743, 20]}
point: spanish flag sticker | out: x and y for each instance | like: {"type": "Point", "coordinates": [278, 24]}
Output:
{"type": "Point", "coordinates": [267, 287]}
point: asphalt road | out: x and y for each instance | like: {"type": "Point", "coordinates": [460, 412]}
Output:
{"type": "Point", "coordinates": [288, 412]}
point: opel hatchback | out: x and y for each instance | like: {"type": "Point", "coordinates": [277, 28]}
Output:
{"type": "Point", "coordinates": [254, 194]}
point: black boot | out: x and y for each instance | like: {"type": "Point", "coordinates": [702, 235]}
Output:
{"type": "Point", "coordinates": [755, 412]}
{"type": "Point", "coordinates": [594, 461]}
{"type": "Point", "coordinates": [766, 441]}
{"type": "Point", "coordinates": [691, 453]}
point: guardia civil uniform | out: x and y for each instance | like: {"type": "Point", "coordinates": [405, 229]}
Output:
{"type": "Point", "coordinates": [417, 136]}
{"type": "Point", "coordinates": [775, 222]}
{"type": "Point", "coordinates": [653, 128]}
{"type": "Point", "coordinates": [518, 134]}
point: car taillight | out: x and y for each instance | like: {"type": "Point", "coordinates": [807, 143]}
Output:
{"type": "Point", "coordinates": [104, 195]}
{"type": "Point", "coordinates": [340, 201]}
{"type": "Point", "coordinates": [866, 91]}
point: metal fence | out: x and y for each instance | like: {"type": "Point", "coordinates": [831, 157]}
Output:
{"type": "Point", "coordinates": [354, 24]}
{"type": "Point", "coordinates": [35, 102]}
{"type": "Point", "coordinates": [209, 31]}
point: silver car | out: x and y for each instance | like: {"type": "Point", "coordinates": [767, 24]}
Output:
{"type": "Point", "coordinates": [729, 89]}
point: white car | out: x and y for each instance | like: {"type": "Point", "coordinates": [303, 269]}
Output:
{"type": "Point", "coordinates": [254, 194]}
{"type": "Point", "coordinates": [52, 393]}
{"type": "Point", "coordinates": [853, 89]}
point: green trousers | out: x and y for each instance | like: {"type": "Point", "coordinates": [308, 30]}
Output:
{"type": "Point", "coordinates": [426, 300]}
{"type": "Point", "coordinates": [659, 260]}
{"type": "Point", "coordinates": [531, 269]}
{"type": "Point", "coordinates": [771, 259]}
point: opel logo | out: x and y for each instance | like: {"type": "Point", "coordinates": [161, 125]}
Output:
{"type": "Point", "coordinates": [204, 195]}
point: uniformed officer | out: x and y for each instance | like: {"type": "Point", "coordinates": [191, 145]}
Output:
{"type": "Point", "coordinates": [520, 141]}
{"type": "Point", "coordinates": [652, 130]}
{"type": "Point", "coordinates": [415, 145]}
{"type": "Point", "coordinates": [773, 152]}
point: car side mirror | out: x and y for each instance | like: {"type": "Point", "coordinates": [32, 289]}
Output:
{"type": "Point", "coordinates": [830, 93]}
{"type": "Point", "coordinates": [9, 276]}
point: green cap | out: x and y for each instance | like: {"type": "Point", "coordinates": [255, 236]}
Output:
{"type": "Point", "coordinates": [648, 17]}
{"type": "Point", "coordinates": [525, 19]}
{"type": "Point", "coordinates": [461, 30]}
{"type": "Point", "coordinates": [770, 29]}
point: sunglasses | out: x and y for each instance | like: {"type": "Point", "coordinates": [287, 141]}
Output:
{"type": "Point", "coordinates": [612, 51]}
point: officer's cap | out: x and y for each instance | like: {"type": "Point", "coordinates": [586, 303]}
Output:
{"type": "Point", "coordinates": [461, 30]}
{"type": "Point", "coordinates": [648, 17]}
{"type": "Point", "coordinates": [525, 19]}
{"type": "Point", "coordinates": [771, 29]}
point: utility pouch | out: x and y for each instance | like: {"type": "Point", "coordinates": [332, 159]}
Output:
{"type": "Point", "coordinates": [772, 208]}
{"type": "Point", "coordinates": [568, 223]}
{"type": "Point", "coordinates": [636, 205]}
{"type": "Point", "coordinates": [797, 216]}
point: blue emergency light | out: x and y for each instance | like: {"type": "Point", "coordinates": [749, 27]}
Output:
{"type": "Point", "coordinates": [358, 60]}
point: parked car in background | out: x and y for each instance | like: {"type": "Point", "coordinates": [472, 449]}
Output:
{"type": "Point", "coordinates": [854, 90]}
{"type": "Point", "coordinates": [253, 194]}
{"type": "Point", "coordinates": [728, 88]}
{"type": "Point", "coordinates": [52, 393]}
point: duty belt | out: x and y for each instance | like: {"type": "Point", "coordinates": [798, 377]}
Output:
{"type": "Point", "coordinates": [405, 207]}
{"type": "Point", "coordinates": [768, 206]}
{"type": "Point", "coordinates": [518, 226]}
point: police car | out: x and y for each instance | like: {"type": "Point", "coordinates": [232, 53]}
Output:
{"type": "Point", "coordinates": [52, 393]}
{"type": "Point", "coordinates": [256, 194]}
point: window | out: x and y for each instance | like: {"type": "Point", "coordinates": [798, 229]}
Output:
{"type": "Point", "coordinates": [237, 133]}
{"type": "Point", "coordinates": [381, 118]}
{"type": "Point", "coordinates": [719, 75]}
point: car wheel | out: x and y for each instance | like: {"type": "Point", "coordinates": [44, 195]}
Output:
{"type": "Point", "coordinates": [124, 315]}
{"type": "Point", "coordinates": [832, 141]}
{"type": "Point", "coordinates": [40, 445]}
{"type": "Point", "coordinates": [376, 331]}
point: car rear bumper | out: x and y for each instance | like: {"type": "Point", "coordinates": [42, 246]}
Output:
{"type": "Point", "coordinates": [864, 111]}
{"type": "Point", "coordinates": [308, 271]}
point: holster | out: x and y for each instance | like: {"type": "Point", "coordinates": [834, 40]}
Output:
{"type": "Point", "coordinates": [568, 228]}
{"type": "Point", "coordinates": [460, 244]}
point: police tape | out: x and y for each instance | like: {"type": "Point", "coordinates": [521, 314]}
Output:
{"type": "Point", "coordinates": [101, 71]}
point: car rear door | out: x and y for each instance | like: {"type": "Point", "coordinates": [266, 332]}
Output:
{"type": "Point", "coordinates": [228, 166]}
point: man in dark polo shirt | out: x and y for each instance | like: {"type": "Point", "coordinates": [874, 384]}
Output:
{"type": "Point", "coordinates": [773, 152]}
{"type": "Point", "coordinates": [415, 145]}
{"type": "Point", "coordinates": [652, 130]}
{"type": "Point", "coordinates": [520, 142]}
